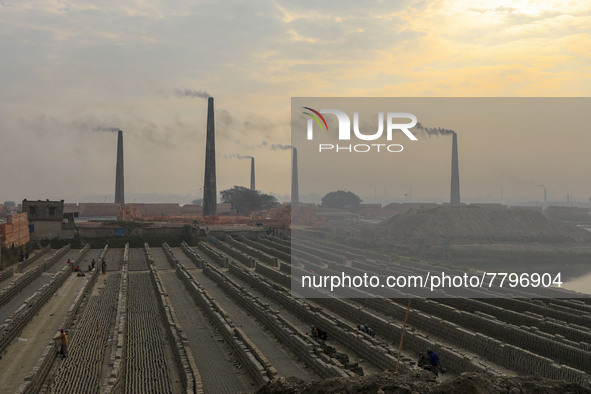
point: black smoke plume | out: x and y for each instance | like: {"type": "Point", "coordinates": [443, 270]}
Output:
{"type": "Point", "coordinates": [191, 93]}
{"type": "Point", "coordinates": [434, 130]}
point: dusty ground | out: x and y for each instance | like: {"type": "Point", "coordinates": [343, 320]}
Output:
{"type": "Point", "coordinates": [423, 382]}
{"type": "Point", "coordinates": [23, 353]}
{"type": "Point", "coordinates": [473, 224]}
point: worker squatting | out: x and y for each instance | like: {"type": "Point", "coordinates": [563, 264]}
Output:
{"type": "Point", "coordinates": [361, 148]}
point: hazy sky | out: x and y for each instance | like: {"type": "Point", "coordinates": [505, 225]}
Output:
{"type": "Point", "coordinates": [69, 67]}
{"type": "Point", "coordinates": [509, 149]}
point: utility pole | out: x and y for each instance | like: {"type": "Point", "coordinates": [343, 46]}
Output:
{"type": "Point", "coordinates": [402, 335]}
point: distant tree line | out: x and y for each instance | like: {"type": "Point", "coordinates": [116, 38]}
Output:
{"type": "Point", "coordinates": [246, 201]}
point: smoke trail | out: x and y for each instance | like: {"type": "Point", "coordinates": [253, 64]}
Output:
{"type": "Point", "coordinates": [236, 156]}
{"type": "Point", "coordinates": [434, 130]}
{"type": "Point", "coordinates": [191, 93]}
{"type": "Point", "coordinates": [281, 147]}
{"type": "Point", "coordinates": [109, 129]}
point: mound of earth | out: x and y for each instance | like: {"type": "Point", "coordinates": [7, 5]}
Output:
{"type": "Point", "coordinates": [469, 224]}
{"type": "Point", "coordinates": [423, 382]}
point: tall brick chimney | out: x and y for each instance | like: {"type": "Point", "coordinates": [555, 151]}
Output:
{"type": "Point", "coordinates": [455, 173]}
{"type": "Point", "coordinates": [295, 194]}
{"type": "Point", "coordinates": [209, 183]}
{"type": "Point", "coordinates": [119, 182]}
{"type": "Point", "coordinates": [252, 187]}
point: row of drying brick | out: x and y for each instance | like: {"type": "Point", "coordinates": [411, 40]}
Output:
{"type": "Point", "coordinates": [6, 273]}
{"type": "Point", "coordinates": [539, 342]}
{"type": "Point", "coordinates": [349, 255]}
{"type": "Point", "coordinates": [113, 382]}
{"type": "Point", "coordinates": [219, 259]}
{"type": "Point", "coordinates": [558, 349]}
{"type": "Point", "coordinates": [89, 340]}
{"type": "Point", "coordinates": [573, 325]}
{"type": "Point", "coordinates": [270, 250]}
{"type": "Point", "coordinates": [354, 252]}
{"type": "Point", "coordinates": [515, 327]}
{"type": "Point", "coordinates": [390, 331]}
{"type": "Point", "coordinates": [19, 283]}
{"type": "Point", "coordinates": [276, 243]}
{"type": "Point", "coordinates": [248, 358]}
{"type": "Point", "coordinates": [500, 352]}
{"type": "Point", "coordinates": [525, 340]}
{"type": "Point", "coordinates": [190, 376]}
{"type": "Point", "coordinates": [87, 343]}
{"type": "Point", "coordinates": [146, 365]}
{"type": "Point", "coordinates": [249, 250]}
{"type": "Point", "coordinates": [24, 264]}
{"type": "Point", "coordinates": [34, 380]}
{"type": "Point", "coordinates": [21, 317]}
{"type": "Point", "coordinates": [236, 254]}
{"type": "Point", "coordinates": [303, 346]}
{"type": "Point", "coordinates": [363, 345]}
{"type": "Point", "coordinates": [318, 253]}
{"type": "Point", "coordinates": [193, 256]}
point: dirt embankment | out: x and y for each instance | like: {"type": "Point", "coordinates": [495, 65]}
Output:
{"type": "Point", "coordinates": [423, 382]}
{"type": "Point", "coordinates": [474, 224]}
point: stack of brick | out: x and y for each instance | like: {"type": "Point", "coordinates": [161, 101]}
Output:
{"type": "Point", "coordinates": [15, 231]}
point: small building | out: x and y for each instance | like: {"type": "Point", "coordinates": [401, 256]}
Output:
{"type": "Point", "coordinates": [373, 211]}
{"type": "Point", "coordinates": [191, 210]}
{"type": "Point", "coordinates": [400, 208]}
{"type": "Point", "coordinates": [15, 231]}
{"type": "Point", "coordinates": [98, 209]}
{"type": "Point", "coordinates": [224, 208]}
{"type": "Point", "coordinates": [46, 220]}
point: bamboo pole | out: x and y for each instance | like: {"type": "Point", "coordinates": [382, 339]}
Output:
{"type": "Point", "coordinates": [402, 335]}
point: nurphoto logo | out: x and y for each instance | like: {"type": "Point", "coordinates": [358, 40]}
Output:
{"type": "Point", "coordinates": [392, 124]}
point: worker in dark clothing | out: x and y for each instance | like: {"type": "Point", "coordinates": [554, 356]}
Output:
{"type": "Point", "coordinates": [322, 334]}
{"type": "Point", "coordinates": [434, 358]}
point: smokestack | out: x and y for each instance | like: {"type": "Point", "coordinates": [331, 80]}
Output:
{"type": "Point", "coordinates": [252, 174]}
{"type": "Point", "coordinates": [295, 194]}
{"type": "Point", "coordinates": [119, 183]}
{"type": "Point", "coordinates": [209, 184]}
{"type": "Point", "coordinates": [455, 173]}
{"type": "Point", "coordinates": [545, 199]}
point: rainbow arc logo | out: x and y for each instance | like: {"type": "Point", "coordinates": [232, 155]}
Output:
{"type": "Point", "coordinates": [315, 115]}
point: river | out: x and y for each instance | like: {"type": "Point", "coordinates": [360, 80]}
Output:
{"type": "Point", "coordinates": [581, 284]}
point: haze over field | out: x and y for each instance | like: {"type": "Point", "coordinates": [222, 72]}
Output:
{"type": "Point", "coordinates": [146, 67]}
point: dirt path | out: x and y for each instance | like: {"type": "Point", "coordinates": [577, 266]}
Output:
{"type": "Point", "coordinates": [16, 274]}
{"type": "Point", "coordinates": [24, 352]}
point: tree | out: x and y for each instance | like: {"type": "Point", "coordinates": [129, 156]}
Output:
{"type": "Point", "coordinates": [342, 200]}
{"type": "Point", "coordinates": [245, 201]}
{"type": "Point", "coordinates": [199, 201]}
